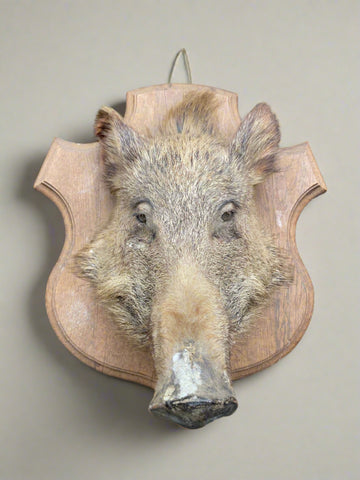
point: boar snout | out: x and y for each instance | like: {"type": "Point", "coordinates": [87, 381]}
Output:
{"type": "Point", "coordinates": [191, 341]}
{"type": "Point", "coordinates": [193, 393]}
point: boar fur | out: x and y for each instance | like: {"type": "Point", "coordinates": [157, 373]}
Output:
{"type": "Point", "coordinates": [183, 255]}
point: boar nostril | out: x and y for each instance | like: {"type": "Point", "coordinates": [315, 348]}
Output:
{"type": "Point", "coordinates": [195, 412]}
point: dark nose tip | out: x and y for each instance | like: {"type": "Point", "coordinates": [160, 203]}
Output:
{"type": "Point", "coordinates": [195, 412]}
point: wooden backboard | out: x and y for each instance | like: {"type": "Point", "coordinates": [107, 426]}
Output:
{"type": "Point", "coordinates": [71, 176]}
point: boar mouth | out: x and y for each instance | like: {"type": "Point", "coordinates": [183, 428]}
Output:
{"type": "Point", "coordinates": [194, 412]}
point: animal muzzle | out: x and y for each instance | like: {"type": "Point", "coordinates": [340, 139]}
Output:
{"type": "Point", "coordinates": [191, 346]}
{"type": "Point", "coordinates": [194, 392]}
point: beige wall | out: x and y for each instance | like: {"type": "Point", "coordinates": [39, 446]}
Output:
{"type": "Point", "coordinates": [61, 60]}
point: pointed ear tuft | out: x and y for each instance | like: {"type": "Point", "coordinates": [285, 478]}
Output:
{"type": "Point", "coordinates": [103, 121]}
{"type": "Point", "coordinates": [256, 143]}
{"type": "Point", "coordinates": [120, 144]}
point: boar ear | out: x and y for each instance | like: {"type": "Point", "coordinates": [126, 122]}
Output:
{"type": "Point", "coordinates": [120, 144]}
{"type": "Point", "coordinates": [256, 143]}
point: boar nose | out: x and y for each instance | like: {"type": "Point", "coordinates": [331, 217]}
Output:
{"type": "Point", "coordinates": [195, 412]}
{"type": "Point", "coordinates": [194, 390]}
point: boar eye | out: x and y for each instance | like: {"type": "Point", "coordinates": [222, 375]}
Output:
{"type": "Point", "coordinates": [227, 216]}
{"type": "Point", "coordinates": [141, 217]}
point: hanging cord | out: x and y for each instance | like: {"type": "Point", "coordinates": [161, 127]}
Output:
{"type": "Point", "coordinates": [182, 52]}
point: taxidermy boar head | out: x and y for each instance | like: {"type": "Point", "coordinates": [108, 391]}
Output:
{"type": "Point", "coordinates": [183, 263]}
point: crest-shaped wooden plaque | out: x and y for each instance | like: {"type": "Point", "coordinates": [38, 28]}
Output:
{"type": "Point", "coordinates": [71, 176]}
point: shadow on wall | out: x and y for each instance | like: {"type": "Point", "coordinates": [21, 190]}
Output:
{"type": "Point", "coordinates": [117, 406]}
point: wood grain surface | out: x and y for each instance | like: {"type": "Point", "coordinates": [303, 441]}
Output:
{"type": "Point", "coordinates": [71, 177]}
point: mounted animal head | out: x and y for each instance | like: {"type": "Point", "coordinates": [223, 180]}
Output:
{"type": "Point", "coordinates": [183, 264]}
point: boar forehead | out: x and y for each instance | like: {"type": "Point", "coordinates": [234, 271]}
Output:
{"type": "Point", "coordinates": [190, 174]}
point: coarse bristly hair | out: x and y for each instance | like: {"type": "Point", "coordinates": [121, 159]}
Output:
{"type": "Point", "coordinates": [183, 255]}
